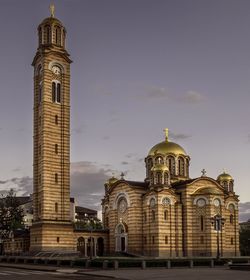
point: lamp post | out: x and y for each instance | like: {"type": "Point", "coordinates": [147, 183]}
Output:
{"type": "Point", "coordinates": [217, 221]}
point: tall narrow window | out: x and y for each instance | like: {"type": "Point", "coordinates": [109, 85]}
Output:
{"type": "Point", "coordinates": [56, 207]}
{"type": "Point", "coordinates": [56, 148]}
{"type": "Point", "coordinates": [166, 239]}
{"type": "Point", "coordinates": [145, 217]}
{"type": "Point", "coordinates": [145, 240]}
{"type": "Point", "coordinates": [58, 35]}
{"type": "Point", "coordinates": [40, 91]}
{"type": "Point", "coordinates": [58, 93]}
{"type": "Point", "coordinates": [58, 239]}
{"type": "Point", "coordinates": [56, 178]}
{"type": "Point", "coordinates": [231, 219]}
{"type": "Point", "coordinates": [153, 240]}
{"type": "Point", "coordinates": [56, 119]}
{"type": "Point", "coordinates": [53, 92]}
{"type": "Point", "coordinates": [47, 34]}
{"type": "Point", "coordinates": [202, 223]}
{"type": "Point", "coordinates": [153, 215]}
{"type": "Point", "coordinates": [165, 215]}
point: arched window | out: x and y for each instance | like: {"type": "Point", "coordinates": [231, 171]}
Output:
{"type": "Point", "coordinates": [120, 229]}
{"type": "Point", "coordinates": [181, 166]}
{"type": "Point", "coordinates": [231, 187]}
{"type": "Point", "coordinates": [56, 92]}
{"type": "Point", "coordinates": [166, 178]}
{"type": "Point", "coordinates": [158, 178]}
{"type": "Point", "coordinates": [40, 38]}
{"type": "Point", "coordinates": [47, 33]}
{"type": "Point", "coordinates": [171, 165]}
{"type": "Point", "coordinates": [58, 35]}
{"type": "Point", "coordinates": [165, 215]}
{"type": "Point", "coordinates": [159, 160]}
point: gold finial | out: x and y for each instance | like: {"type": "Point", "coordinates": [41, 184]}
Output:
{"type": "Point", "coordinates": [52, 10]}
{"type": "Point", "coordinates": [166, 134]}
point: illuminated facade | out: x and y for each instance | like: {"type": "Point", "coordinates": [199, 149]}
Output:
{"type": "Point", "coordinates": [169, 214]}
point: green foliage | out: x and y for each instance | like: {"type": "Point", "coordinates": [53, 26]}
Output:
{"type": "Point", "coordinates": [245, 242]}
{"type": "Point", "coordinates": [89, 224]}
{"type": "Point", "coordinates": [11, 215]}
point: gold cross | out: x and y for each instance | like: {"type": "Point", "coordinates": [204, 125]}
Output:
{"type": "Point", "coordinates": [52, 10]}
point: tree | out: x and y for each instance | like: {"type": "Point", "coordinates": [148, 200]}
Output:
{"type": "Point", "coordinates": [89, 224]}
{"type": "Point", "coordinates": [245, 241]}
{"type": "Point", "coordinates": [11, 215]}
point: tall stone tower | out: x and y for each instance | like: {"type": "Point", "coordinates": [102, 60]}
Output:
{"type": "Point", "coordinates": [52, 229]}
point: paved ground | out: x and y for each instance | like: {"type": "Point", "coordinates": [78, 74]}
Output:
{"type": "Point", "coordinates": [13, 272]}
{"type": "Point", "coordinates": [20, 274]}
{"type": "Point", "coordinates": [221, 273]}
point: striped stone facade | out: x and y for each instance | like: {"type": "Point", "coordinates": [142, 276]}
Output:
{"type": "Point", "coordinates": [169, 214]}
{"type": "Point", "coordinates": [52, 228]}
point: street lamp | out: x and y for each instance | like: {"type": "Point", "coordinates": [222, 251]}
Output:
{"type": "Point", "coordinates": [217, 221]}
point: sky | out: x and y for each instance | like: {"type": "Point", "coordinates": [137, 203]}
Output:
{"type": "Point", "coordinates": [139, 66]}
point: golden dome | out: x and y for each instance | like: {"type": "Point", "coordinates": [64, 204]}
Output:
{"type": "Point", "coordinates": [224, 177]}
{"type": "Point", "coordinates": [159, 167]}
{"type": "Point", "coordinates": [112, 180]}
{"type": "Point", "coordinates": [166, 147]}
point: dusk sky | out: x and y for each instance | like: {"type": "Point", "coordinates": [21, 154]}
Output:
{"type": "Point", "coordinates": [139, 66]}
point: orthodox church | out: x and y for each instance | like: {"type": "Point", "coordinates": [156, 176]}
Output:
{"type": "Point", "coordinates": [170, 214]}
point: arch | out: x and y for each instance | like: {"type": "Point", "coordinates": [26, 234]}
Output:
{"type": "Point", "coordinates": [58, 35]}
{"type": "Point", "coordinates": [38, 70]}
{"type": "Point", "coordinates": [171, 164]}
{"type": "Point", "coordinates": [58, 64]}
{"type": "Point", "coordinates": [81, 245]}
{"type": "Point", "coordinates": [121, 236]}
{"type": "Point", "coordinates": [100, 246]}
{"type": "Point", "coordinates": [56, 91]}
{"type": "Point", "coordinates": [181, 166]}
{"type": "Point", "coordinates": [219, 199]}
{"type": "Point", "coordinates": [201, 197]}
{"type": "Point", "coordinates": [166, 178]}
{"type": "Point", "coordinates": [166, 201]}
{"type": "Point", "coordinates": [118, 197]}
{"type": "Point", "coordinates": [47, 34]}
{"type": "Point", "coordinates": [231, 205]}
{"type": "Point", "coordinates": [150, 198]}
{"type": "Point", "coordinates": [159, 160]}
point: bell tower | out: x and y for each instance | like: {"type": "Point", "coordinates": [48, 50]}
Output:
{"type": "Point", "coordinates": [52, 228]}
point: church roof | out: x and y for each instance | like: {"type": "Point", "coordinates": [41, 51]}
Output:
{"type": "Point", "coordinates": [138, 183]}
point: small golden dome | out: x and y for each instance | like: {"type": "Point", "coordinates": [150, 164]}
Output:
{"type": "Point", "coordinates": [224, 177]}
{"type": "Point", "coordinates": [159, 167]}
{"type": "Point", "coordinates": [112, 180]}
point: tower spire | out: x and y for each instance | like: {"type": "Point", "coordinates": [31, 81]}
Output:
{"type": "Point", "coordinates": [52, 10]}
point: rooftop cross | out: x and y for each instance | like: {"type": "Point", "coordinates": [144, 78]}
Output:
{"type": "Point", "coordinates": [203, 173]}
{"type": "Point", "coordinates": [166, 134]}
{"type": "Point", "coordinates": [52, 10]}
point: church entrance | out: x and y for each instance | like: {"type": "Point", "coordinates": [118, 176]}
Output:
{"type": "Point", "coordinates": [121, 238]}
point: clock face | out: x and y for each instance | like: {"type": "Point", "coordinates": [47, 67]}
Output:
{"type": "Point", "coordinates": [216, 202]}
{"type": "Point", "coordinates": [165, 201]}
{"type": "Point", "coordinates": [122, 205]}
{"type": "Point", "coordinates": [56, 70]}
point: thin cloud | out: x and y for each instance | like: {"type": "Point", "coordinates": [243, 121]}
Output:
{"type": "Point", "coordinates": [178, 136]}
{"type": "Point", "coordinates": [154, 92]}
{"type": "Point", "coordinates": [192, 96]}
{"type": "Point", "coordinates": [124, 162]}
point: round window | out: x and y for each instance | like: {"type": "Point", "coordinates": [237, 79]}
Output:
{"type": "Point", "coordinates": [165, 201]}
{"type": "Point", "coordinates": [201, 202]}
